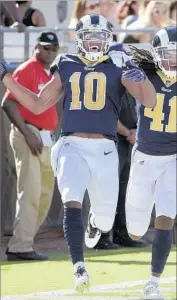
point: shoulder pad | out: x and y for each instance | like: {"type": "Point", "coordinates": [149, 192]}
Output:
{"type": "Point", "coordinates": [119, 58]}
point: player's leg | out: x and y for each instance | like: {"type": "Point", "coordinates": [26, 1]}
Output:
{"type": "Point", "coordinates": [103, 193]}
{"type": "Point", "coordinates": [72, 177]}
{"type": "Point", "coordinates": [139, 197]}
{"type": "Point", "coordinates": [165, 202]}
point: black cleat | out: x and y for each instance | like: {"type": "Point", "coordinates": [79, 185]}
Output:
{"type": "Point", "coordinates": [92, 235]}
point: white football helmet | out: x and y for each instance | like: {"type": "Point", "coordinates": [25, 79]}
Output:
{"type": "Point", "coordinates": [93, 36]}
{"type": "Point", "coordinates": [165, 50]}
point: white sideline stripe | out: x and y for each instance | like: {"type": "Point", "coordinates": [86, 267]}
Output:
{"type": "Point", "coordinates": [54, 295]}
{"type": "Point", "coordinates": [140, 290]}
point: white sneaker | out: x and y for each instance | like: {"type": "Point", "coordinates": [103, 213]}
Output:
{"type": "Point", "coordinates": [81, 280]}
{"type": "Point", "coordinates": [92, 234]}
{"type": "Point", "coordinates": [152, 292]}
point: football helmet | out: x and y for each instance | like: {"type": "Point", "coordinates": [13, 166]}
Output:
{"type": "Point", "coordinates": [164, 50]}
{"type": "Point", "coordinates": [93, 36]}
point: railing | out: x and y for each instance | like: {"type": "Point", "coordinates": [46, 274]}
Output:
{"type": "Point", "coordinates": [17, 47]}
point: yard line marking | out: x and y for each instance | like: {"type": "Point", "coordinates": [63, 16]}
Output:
{"type": "Point", "coordinates": [112, 288]}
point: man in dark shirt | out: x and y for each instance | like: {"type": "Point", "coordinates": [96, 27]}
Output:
{"type": "Point", "coordinates": [126, 137]}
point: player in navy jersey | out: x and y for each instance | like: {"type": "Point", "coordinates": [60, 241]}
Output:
{"type": "Point", "coordinates": [153, 170]}
{"type": "Point", "coordinates": [85, 156]}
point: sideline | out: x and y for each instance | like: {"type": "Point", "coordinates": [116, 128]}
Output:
{"type": "Point", "coordinates": [112, 288]}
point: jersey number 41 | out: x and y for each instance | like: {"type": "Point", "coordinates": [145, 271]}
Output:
{"type": "Point", "coordinates": [157, 115]}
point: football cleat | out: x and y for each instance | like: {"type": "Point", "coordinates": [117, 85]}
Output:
{"type": "Point", "coordinates": [81, 280]}
{"type": "Point", "coordinates": [152, 292]}
{"type": "Point", "coordinates": [92, 234]}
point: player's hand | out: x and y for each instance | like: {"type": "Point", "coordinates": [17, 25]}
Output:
{"type": "Point", "coordinates": [3, 69]}
{"type": "Point", "coordinates": [34, 142]}
{"type": "Point", "coordinates": [131, 138]}
{"type": "Point", "coordinates": [136, 75]}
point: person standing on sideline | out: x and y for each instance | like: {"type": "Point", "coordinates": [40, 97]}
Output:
{"type": "Point", "coordinates": [126, 136]}
{"type": "Point", "coordinates": [30, 139]}
{"type": "Point", "coordinates": [126, 131]}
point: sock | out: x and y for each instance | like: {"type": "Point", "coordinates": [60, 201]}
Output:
{"type": "Point", "coordinates": [154, 279]}
{"type": "Point", "coordinates": [74, 233]}
{"type": "Point", "coordinates": [77, 265]}
{"type": "Point", "coordinates": [160, 249]}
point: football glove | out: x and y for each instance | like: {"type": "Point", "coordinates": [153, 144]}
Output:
{"type": "Point", "coordinates": [3, 69]}
{"type": "Point", "coordinates": [136, 75]}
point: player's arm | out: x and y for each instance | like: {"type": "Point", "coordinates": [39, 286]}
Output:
{"type": "Point", "coordinates": [122, 129]}
{"type": "Point", "coordinates": [37, 104]}
{"type": "Point", "coordinates": [134, 79]}
{"type": "Point", "coordinates": [139, 86]}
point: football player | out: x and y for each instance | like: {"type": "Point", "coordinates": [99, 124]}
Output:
{"type": "Point", "coordinates": [153, 171]}
{"type": "Point", "coordinates": [85, 156]}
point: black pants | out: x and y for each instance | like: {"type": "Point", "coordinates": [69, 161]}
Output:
{"type": "Point", "coordinates": [124, 150]}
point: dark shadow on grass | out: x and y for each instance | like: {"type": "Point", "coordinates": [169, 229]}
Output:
{"type": "Point", "coordinates": [89, 254]}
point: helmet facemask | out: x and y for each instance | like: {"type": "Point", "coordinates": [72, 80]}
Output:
{"type": "Point", "coordinates": [93, 43]}
{"type": "Point", "coordinates": [166, 59]}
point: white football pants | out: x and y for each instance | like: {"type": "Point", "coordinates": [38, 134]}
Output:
{"type": "Point", "coordinates": [152, 180]}
{"type": "Point", "coordinates": [92, 164]}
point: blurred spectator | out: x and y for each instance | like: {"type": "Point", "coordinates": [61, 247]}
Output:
{"type": "Point", "coordinates": [62, 10]}
{"type": "Point", "coordinates": [30, 139]}
{"type": "Point", "coordinates": [156, 15]}
{"type": "Point", "coordinates": [143, 6]}
{"type": "Point", "coordinates": [9, 12]}
{"type": "Point", "coordinates": [173, 11]}
{"type": "Point", "coordinates": [107, 8]}
{"type": "Point", "coordinates": [30, 16]}
{"type": "Point", "coordinates": [127, 12]}
{"type": "Point", "coordinates": [83, 7]}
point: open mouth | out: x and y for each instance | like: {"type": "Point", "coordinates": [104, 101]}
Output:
{"type": "Point", "coordinates": [95, 48]}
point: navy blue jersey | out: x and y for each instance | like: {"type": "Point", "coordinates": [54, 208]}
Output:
{"type": "Point", "coordinates": [92, 94]}
{"type": "Point", "coordinates": [156, 133]}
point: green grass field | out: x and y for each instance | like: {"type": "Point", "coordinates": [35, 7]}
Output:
{"type": "Point", "coordinates": [104, 267]}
